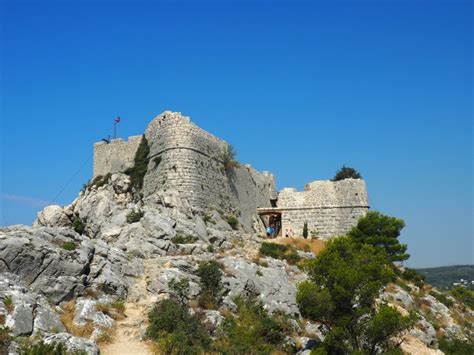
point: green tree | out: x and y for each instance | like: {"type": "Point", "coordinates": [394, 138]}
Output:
{"type": "Point", "coordinates": [382, 232]}
{"type": "Point", "coordinates": [305, 230]}
{"type": "Point", "coordinates": [346, 173]}
{"type": "Point", "coordinates": [344, 281]}
{"type": "Point", "coordinates": [137, 173]}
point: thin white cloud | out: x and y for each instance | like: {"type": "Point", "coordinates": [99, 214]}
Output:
{"type": "Point", "coordinates": [25, 200]}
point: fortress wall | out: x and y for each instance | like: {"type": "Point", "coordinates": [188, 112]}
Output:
{"type": "Point", "coordinates": [115, 156]}
{"type": "Point", "coordinates": [328, 222]}
{"type": "Point", "coordinates": [188, 159]}
{"type": "Point", "coordinates": [330, 207]}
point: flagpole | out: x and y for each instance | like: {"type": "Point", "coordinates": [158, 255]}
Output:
{"type": "Point", "coordinates": [116, 121]}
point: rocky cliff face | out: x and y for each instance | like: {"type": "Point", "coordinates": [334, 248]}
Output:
{"type": "Point", "coordinates": [71, 276]}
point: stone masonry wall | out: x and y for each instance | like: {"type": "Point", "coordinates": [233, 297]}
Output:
{"type": "Point", "coordinates": [330, 208]}
{"type": "Point", "coordinates": [115, 156]}
{"type": "Point", "coordinates": [188, 159]}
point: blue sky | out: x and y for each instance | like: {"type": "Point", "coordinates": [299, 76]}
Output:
{"type": "Point", "coordinates": [299, 88]}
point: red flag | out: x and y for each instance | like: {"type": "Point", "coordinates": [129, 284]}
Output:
{"type": "Point", "coordinates": [117, 120]}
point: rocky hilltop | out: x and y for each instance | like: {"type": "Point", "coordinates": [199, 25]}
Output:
{"type": "Point", "coordinates": [88, 274]}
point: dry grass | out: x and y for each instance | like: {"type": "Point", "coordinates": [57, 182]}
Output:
{"type": "Point", "coordinates": [106, 337]}
{"type": "Point", "coordinates": [309, 245]}
{"type": "Point", "coordinates": [67, 318]}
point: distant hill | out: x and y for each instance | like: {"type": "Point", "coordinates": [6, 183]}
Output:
{"type": "Point", "coordinates": [445, 276]}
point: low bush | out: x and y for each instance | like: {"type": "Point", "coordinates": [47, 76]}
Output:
{"type": "Point", "coordinates": [280, 251]}
{"type": "Point", "coordinates": [69, 246]}
{"type": "Point", "coordinates": [206, 218]}
{"type": "Point", "coordinates": [78, 225]}
{"type": "Point", "coordinates": [228, 157]}
{"type": "Point", "coordinates": [464, 295]}
{"type": "Point", "coordinates": [441, 297]}
{"type": "Point", "coordinates": [414, 276]}
{"type": "Point", "coordinates": [233, 222]}
{"type": "Point", "coordinates": [180, 289]}
{"type": "Point", "coordinates": [8, 302]}
{"type": "Point", "coordinates": [252, 330]}
{"type": "Point", "coordinates": [4, 339]}
{"type": "Point", "coordinates": [97, 182]}
{"type": "Point", "coordinates": [210, 280]}
{"type": "Point", "coordinates": [134, 216]}
{"type": "Point", "coordinates": [175, 330]}
{"type": "Point", "coordinates": [49, 349]}
{"type": "Point", "coordinates": [184, 239]}
{"type": "Point", "coordinates": [118, 306]}
{"type": "Point", "coordinates": [455, 346]}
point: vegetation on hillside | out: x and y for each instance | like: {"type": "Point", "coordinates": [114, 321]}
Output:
{"type": "Point", "coordinates": [382, 233]}
{"type": "Point", "coordinates": [280, 251]}
{"type": "Point", "coordinates": [445, 276]}
{"type": "Point", "coordinates": [346, 173]}
{"type": "Point", "coordinates": [344, 281]}
{"type": "Point", "coordinates": [210, 280]}
{"type": "Point", "coordinates": [137, 173]}
{"type": "Point", "coordinates": [228, 157]}
{"type": "Point", "coordinates": [175, 330]}
{"type": "Point", "coordinates": [252, 330]}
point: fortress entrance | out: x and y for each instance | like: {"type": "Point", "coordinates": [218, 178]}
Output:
{"type": "Point", "coordinates": [271, 217]}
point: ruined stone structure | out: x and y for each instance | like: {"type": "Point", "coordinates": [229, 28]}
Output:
{"type": "Point", "coordinates": [189, 160]}
{"type": "Point", "coordinates": [185, 158]}
{"type": "Point", "coordinates": [330, 208]}
{"type": "Point", "coordinates": [116, 156]}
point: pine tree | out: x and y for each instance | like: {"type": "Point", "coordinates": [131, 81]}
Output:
{"type": "Point", "coordinates": [382, 232]}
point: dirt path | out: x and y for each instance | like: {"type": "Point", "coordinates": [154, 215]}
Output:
{"type": "Point", "coordinates": [127, 338]}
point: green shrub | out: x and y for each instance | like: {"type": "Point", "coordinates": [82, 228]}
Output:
{"type": "Point", "coordinates": [441, 297]}
{"type": "Point", "coordinates": [456, 346]}
{"type": "Point", "coordinates": [69, 246]}
{"type": "Point", "coordinates": [414, 276]}
{"type": "Point", "coordinates": [176, 330]}
{"type": "Point", "coordinates": [140, 166]}
{"type": "Point", "coordinates": [8, 302]}
{"type": "Point", "coordinates": [464, 295]}
{"type": "Point", "coordinates": [206, 218]}
{"type": "Point", "coordinates": [134, 216]}
{"type": "Point", "coordinates": [180, 289]}
{"type": "Point", "coordinates": [48, 349]}
{"type": "Point", "coordinates": [184, 239]}
{"type": "Point", "coordinates": [346, 173]}
{"type": "Point", "coordinates": [228, 158]}
{"type": "Point", "coordinates": [78, 225]}
{"type": "Point", "coordinates": [210, 280]}
{"type": "Point", "coordinates": [305, 230]}
{"type": "Point", "coordinates": [98, 181]}
{"type": "Point", "coordinates": [252, 330]}
{"type": "Point", "coordinates": [280, 251]}
{"type": "Point", "coordinates": [119, 306]}
{"type": "Point", "coordinates": [4, 339]}
{"type": "Point", "coordinates": [233, 222]}
{"type": "Point", "coordinates": [210, 248]}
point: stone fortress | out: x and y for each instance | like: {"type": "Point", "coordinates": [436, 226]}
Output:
{"type": "Point", "coordinates": [189, 160]}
